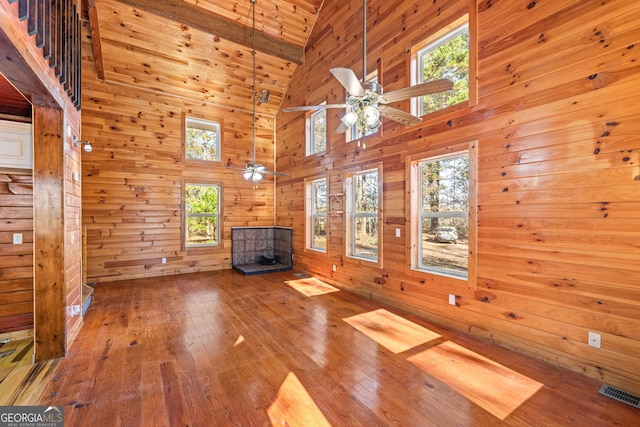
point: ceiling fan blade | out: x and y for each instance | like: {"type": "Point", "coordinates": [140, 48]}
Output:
{"type": "Point", "coordinates": [398, 115]}
{"type": "Point", "coordinates": [417, 90]}
{"type": "Point", "coordinates": [348, 79]}
{"type": "Point", "coordinates": [342, 128]}
{"type": "Point", "coordinates": [313, 107]}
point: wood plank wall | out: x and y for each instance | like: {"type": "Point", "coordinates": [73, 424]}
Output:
{"type": "Point", "coordinates": [24, 65]}
{"type": "Point", "coordinates": [16, 262]}
{"type": "Point", "coordinates": [558, 186]}
{"type": "Point", "coordinates": [132, 181]}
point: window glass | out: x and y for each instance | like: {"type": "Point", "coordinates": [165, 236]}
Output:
{"type": "Point", "coordinates": [318, 215]}
{"type": "Point", "coordinates": [364, 215]}
{"type": "Point", "coordinates": [202, 214]}
{"type": "Point", "coordinates": [445, 58]}
{"type": "Point", "coordinates": [318, 132]}
{"type": "Point", "coordinates": [202, 140]}
{"type": "Point", "coordinates": [443, 203]}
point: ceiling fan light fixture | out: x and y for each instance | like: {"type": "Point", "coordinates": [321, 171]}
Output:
{"type": "Point", "coordinates": [350, 119]}
{"type": "Point", "coordinates": [371, 117]}
{"type": "Point", "coordinates": [257, 176]}
{"type": "Point", "coordinates": [247, 175]}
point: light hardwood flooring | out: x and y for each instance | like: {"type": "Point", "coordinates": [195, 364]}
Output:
{"type": "Point", "coordinates": [219, 348]}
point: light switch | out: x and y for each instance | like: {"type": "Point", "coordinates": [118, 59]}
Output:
{"type": "Point", "coordinates": [397, 232]}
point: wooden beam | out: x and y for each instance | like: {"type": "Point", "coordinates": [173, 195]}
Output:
{"type": "Point", "coordinates": [48, 234]}
{"type": "Point", "coordinates": [95, 38]}
{"type": "Point", "coordinates": [212, 23]}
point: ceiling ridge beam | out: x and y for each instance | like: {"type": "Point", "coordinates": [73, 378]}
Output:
{"type": "Point", "coordinates": [212, 23]}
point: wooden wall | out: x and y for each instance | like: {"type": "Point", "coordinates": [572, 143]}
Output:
{"type": "Point", "coordinates": [558, 173]}
{"type": "Point", "coordinates": [56, 238]}
{"type": "Point", "coordinates": [16, 262]}
{"type": "Point", "coordinates": [132, 181]}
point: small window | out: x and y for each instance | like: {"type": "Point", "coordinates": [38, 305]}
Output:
{"type": "Point", "coordinates": [317, 135]}
{"type": "Point", "coordinates": [317, 214]}
{"type": "Point", "coordinates": [363, 214]}
{"type": "Point", "coordinates": [446, 57]}
{"type": "Point", "coordinates": [202, 140]}
{"type": "Point", "coordinates": [202, 215]}
{"type": "Point", "coordinates": [441, 200]}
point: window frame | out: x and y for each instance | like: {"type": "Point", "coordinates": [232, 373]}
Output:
{"type": "Point", "coordinates": [444, 276]}
{"type": "Point", "coordinates": [186, 215]}
{"type": "Point", "coordinates": [351, 216]}
{"type": "Point", "coordinates": [435, 39]}
{"type": "Point", "coordinates": [311, 214]}
{"type": "Point", "coordinates": [214, 123]}
{"type": "Point", "coordinates": [311, 146]}
{"type": "Point", "coordinates": [352, 135]}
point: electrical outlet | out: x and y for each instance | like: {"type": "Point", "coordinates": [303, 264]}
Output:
{"type": "Point", "coordinates": [452, 299]}
{"type": "Point", "coordinates": [17, 238]}
{"type": "Point", "coordinates": [397, 232]}
{"type": "Point", "coordinates": [164, 260]}
{"type": "Point", "coordinates": [594, 339]}
{"type": "Point", "coordinates": [334, 268]}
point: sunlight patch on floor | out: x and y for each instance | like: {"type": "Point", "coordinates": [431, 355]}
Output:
{"type": "Point", "coordinates": [311, 286]}
{"type": "Point", "coordinates": [492, 386]}
{"type": "Point", "coordinates": [294, 407]}
{"type": "Point", "coordinates": [391, 331]}
{"type": "Point", "coordinates": [239, 341]}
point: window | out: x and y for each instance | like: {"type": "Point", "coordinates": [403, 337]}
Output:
{"type": "Point", "coordinates": [202, 140]}
{"type": "Point", "coordinates": [317, 214]}
{"type": "Point", "coordinates": [363, 214]}
{"type": "Point", "coordinates": [444, 57]}
{"type": "Point", "coordinates": [440, 207]}
{"type": "Point", "coordinates": [360, 130]}
{"type": "Point", "coordinates": [317, 135]}
{"type": "Point", "coordinates": [202, 215]}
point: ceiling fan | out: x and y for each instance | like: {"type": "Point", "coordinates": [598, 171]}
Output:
{"type": "Point", "coordinates": [367, 101]}
{"type": "Point", "coordinates": [255, 171]}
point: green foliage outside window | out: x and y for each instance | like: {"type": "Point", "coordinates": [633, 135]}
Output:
{"type": "Point", "coordinates": [202, 214]}
{"type": "Point", "coordinates": [202, 140]}
{"type": "Point", "coordinates": [447, 58]}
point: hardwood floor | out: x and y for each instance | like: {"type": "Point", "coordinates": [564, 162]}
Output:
{"type": "Point", "coordinates": [219, 348]}
{"type": "Point", "coordinates": [21, 380]}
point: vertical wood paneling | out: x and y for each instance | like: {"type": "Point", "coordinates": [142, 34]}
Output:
{"type": "Point", "coordinates": [558, 178]}
{"type": "Point", "coordinates": [48, 236]}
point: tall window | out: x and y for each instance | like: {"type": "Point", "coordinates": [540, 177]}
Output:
{"type": "Point", "coordinates": [202, 140]}
{"type": "Point", "coordinates": [442, 203]}
{"type": "Point", "coordinates": [445, 57]}
{"type": "Point", "coordinates": [317, 135]}
{"type": "Point", "coordinates": [202, 215]}
{"type": "Point", "coordinates": [363, 214]}
{"type": "Point", "coordinates": [317, 214]}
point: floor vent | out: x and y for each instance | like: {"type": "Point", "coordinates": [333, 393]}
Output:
{"type": "Point", "coordinates": [620, 395]}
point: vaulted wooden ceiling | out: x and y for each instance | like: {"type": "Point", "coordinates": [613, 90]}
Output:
{"type": "Point", "coordinates": [201, 50]}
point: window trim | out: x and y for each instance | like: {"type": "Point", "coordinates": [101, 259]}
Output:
{"type": "Point", "coordinates": [310, 133]}
{"type": "Point", "coordinates": [309, 214]}
{"type": "Point", "coordinates": [219, 215]}
{"type": "Point", "coordinates": [185, 125]}
{"type": "Point", "coordinates": [350, 218]}
{"type": "Point", "coordinates": [452, 281]}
